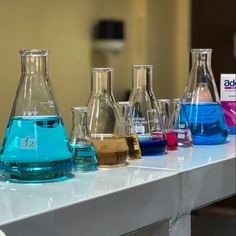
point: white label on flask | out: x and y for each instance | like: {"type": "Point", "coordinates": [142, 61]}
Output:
{"type": "Point", "coordinates": [28, 143]}
{"type": "Point", "coordinates": [140, 129]}
{"type": "Point", "coordinates": [181, 136]}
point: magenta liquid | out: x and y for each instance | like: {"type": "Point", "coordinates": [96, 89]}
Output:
{"type": "Point", "coordinates": [171, 140]}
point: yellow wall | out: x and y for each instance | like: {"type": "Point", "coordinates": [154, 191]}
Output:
{"type": "Point", "coordinates": [157, 32]}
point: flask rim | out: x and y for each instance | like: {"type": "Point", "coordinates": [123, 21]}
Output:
{"type": "Point", "coordinates": [81, 109]}
{"type": "Point", "coordinates": [33, 52]}
{"type": "Point", "coordinates": [202, 50]}
{"type": "Point", "coordinates": [164, 100]}
{"type": "Point", "coordinates": [102, 69]}
{"type": "Point", "coordinates": [142, 66]}
{"type": "Point", "coordinates": [124, 103]}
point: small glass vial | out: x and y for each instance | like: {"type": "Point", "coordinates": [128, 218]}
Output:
{"type": "Point", "coordinates": [125, 109]}
{"type": "Point", "coordinates": [82, 148]}
{"type": "Point", "coordinates": [180, 123]}
{"type": "Point", "coordinates": [165, 111]}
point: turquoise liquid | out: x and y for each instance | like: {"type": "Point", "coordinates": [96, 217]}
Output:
{"type": "Point", "coordinates": [84, 157]}
{"type": "Point", "coordinates": [36, 149]}
{"type": "Point", "coordinates": [207, 123]}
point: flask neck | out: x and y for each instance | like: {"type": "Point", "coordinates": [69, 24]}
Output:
{"type": "Point", "coordinates": [80, 130]}
{"type": "Point", "coordinates": [142, 77]}
{"type": "Point", "coordinates": [201, 63]}
{"type": "Point", "coordinates": [34, 64]}
{"type": "Point", "coordinates": [102, 81]}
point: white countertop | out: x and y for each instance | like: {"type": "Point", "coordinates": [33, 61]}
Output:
{"type": "Point", "coordinates": [119, 200]}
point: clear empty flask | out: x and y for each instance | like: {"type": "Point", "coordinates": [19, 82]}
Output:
{"type": "Point", "coordinates": [165, 111]}
{"type": "Point", "coordinates": [107, 130]}
{"type": "Point", "coordinates": [81, 144]}
{"type": "Point", "coordinates": [180, 124]}
{"type": "Point", "coordinates": [202, 107]}
{"type": "Point", "coordinates": [35, 146]}
{"type": "Point", "coordinates": [146, 118]}
{"type": "Point", "coordinates": [125, 109]}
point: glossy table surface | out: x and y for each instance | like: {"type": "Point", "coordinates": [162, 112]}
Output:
{"type": "Point", "coordinates": [20, 202]}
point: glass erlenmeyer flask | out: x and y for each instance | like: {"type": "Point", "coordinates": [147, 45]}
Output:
{"type": "Point", "coordinates": [81, 144]}
{"type": "Point", "coordinates": [164, 106]}
{"type": "Point", "coordinates": [146, 119]}
{"type": "Point", "coordinates": [107, 130]}
{"type": "Point", "coordinates": [203, 108]}
{"type": "Point", "coordinates": [35, 146]}
{"type": "Point", "coordinates": [180, 123]}
{"type": "Point", "coordinates": [125, 109]}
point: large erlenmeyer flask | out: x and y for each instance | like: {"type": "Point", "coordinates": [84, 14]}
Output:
{"type": "Point", "coordinates": [202, 107]}
{"type": "Point", "coordinates": [105, 124]}
{"type": "Point", "coordinates": [35, 147]}
{"type": "Point", "coordinates": [146, 118]}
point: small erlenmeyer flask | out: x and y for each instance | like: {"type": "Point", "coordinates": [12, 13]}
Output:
{"type": "Point", "coordinates": [35, 146]}
{"type": "Point", "coordinates": [146, 118]}
{"type": "Point", "coordinates": [107, 130]}
{"type": "Point", "coordinates": [125, 109]}
{"type": "Point", "coordinates": [164, 106]}
{"type": "Point", "coordinates": [180, 123]}
{"type": "Point", "coordinates": [81, 144]}
{"type": "Point", "coordinates": [202, 107]}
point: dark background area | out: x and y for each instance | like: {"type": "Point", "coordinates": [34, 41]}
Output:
{"type": "Point", "coordinates": [213, 26]}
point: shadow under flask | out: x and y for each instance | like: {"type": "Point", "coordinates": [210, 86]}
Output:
{"type": "Point", "coordinates": [125, 109]}
{"type": "Point", "coordinates": [180, 123]}
{"type": "Point", "coordinates": [164, 106]}
{"type": "Point", "coordinates": [35, 146]}
{"type": "Point", "coordinates": [81, 144]}
{"type": "Point", "coordinates": [107, 130]}
{"type": "Point", "coordinates": [203, 107]}
{"type": "Point", "coordinates": [146, 119]}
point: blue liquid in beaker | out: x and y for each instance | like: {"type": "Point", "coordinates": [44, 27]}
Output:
{"type": "Point", "coordinates": [207, 123]}
{"type": "Point", "coordinates": [150, 145]}
{"type": "Point", "coordinates": [84, 157]}
{"type": "Point", "coordinates": [36, 149]}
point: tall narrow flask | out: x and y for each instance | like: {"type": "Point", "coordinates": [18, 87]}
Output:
{"type": "Point", "coordinates": [203, 108]}
{"type": "Point", "coordinates": [35, 146]}
{"type": "Point", "coordinates": [81, 144]}
{"type": "Point", "coordinates": [164, 106]}
{"type": "Point", "coordinates": [107, 130]}
{"type": "Point", "coordinates": [125, 109]}
{"type": "Point", "coordinates": [180, 123]}
{"type": "Point", "coordinates": [146, 119]}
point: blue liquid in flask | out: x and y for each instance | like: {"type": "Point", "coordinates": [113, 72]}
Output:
{"type": "Point", "coordinates": [84, 157]}
{"type": "Point", "coordinates": [150, 145]}
{"type": "Point", "coordinates": [207, 123]}
{"type": "Point", "coordinates": [36, 149]}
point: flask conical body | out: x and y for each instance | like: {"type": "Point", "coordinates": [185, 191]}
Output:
{"type": "Point", "coordinates": [202, 107]}
{"type": "Point", "coordinates": [35, 146]}
{"type": "Point", "coordinates": [81, 144]}
{"type": "Point", "coordinates": [146, 119]}
{"type": "Point", "coordinates": [107, 130]}
{"type": "Point", "coordinates": [125, 109]}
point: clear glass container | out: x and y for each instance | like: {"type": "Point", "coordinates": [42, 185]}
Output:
{"type": "Point", "coordinates": [180, 124]}
{"type": "Point", "coordinates": [107, 130]}
{"type": "Point", "coordinates": [80, 140]}
{"type": "Point", "coordinates": [125, 109]}
{"type": "Point", "coordinates": [146, 119]}
{"type": "Point", "coordinates": [202, 107]}
{"type": "Point", "coordinates": [164, 106]}
{"type": "Point", "coordinates": [35, 146]}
